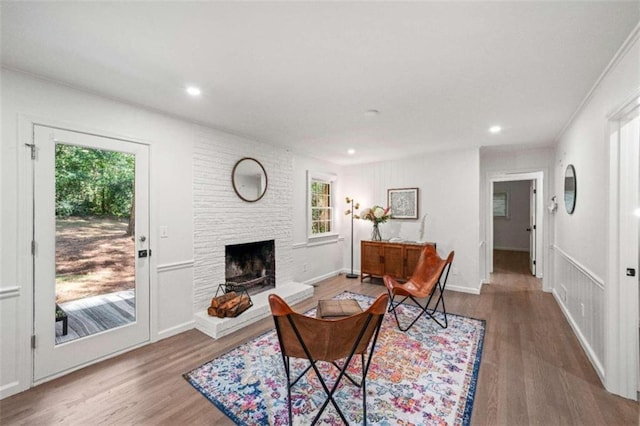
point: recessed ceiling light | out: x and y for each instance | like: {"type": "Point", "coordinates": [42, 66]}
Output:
{"type": "Point", "coordinates": [351, 151]}
{"type": "Point", "coordinates": [371, 113]}
{"type": "Point", "coordinates": [495, 129]}
{"type": "Point", "coordinates": [194, 91]}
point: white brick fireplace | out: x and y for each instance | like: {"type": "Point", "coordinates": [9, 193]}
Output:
{"type": "Point", "coordinates": [221, 218]}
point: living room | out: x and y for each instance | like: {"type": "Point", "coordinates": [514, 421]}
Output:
{"type": "Point", "coordinates": [193, 150]}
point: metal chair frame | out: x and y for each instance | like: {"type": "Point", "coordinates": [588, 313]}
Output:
{"type": "Point", "coordinates": [342, 369]}
{"type": "Point", "coordinates": [424, 309]}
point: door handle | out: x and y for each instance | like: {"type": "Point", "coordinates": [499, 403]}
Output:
{"type": "Point", "coordinates": [528, 229]}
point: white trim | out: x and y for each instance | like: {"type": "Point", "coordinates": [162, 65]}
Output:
{"type": "Point", "coordinates": [323, 277]}
{"type": "Point", "coordinates": [10, 389]}
{"type": "Point", "coordinates": [25, 259]}
{"type": "Point", "coordinates": [538, 175]}
{"type": "Point", "coordinates": [175, 266]}
{"type": "Point", "coordinates": [319, 243]}
{"type": "Point", "coordinates": [506, 215]}
{"type": "Point", "coordinates": [9, 292]}
{"type": "Point", "coordinates": [621, 306]}
{"type": "Point", "coordinates": [593, 277]}
{"type": "Point", "coordinates": [348, 271]}
{"type": "Point", "coordinates": [462, 289]}
{"type": "Point", "coordinates": [26, 123]}
{"type": "Point", "coordinates": [331, 236]}
{"type": "Point", "coordinates": [326, 177]}
{"type": "Point", "coordinates": [172, 331]}
{"type": "Point", "coordinates": [622, 51]}
{"type": "Point", "coordinates": [581, 339]}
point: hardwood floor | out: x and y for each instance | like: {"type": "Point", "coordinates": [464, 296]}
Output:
{"type": "Point", "coordinates": [533, 369]}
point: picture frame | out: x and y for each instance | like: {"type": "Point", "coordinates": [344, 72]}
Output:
{"type": "Point", "coordinates": [403, 203]}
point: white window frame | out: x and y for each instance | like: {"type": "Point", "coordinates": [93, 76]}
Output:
{"type": "Point", "coordinates": [331, 180]}
{"type": "Point", "coordinates": [506, 204]}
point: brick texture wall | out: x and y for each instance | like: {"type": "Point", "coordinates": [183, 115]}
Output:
{"type": "Point", "coordinates": [221, 218]}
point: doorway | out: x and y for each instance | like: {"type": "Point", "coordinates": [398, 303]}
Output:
{"type": "Point", "coordinates": [533, 198]}
{"type": "Point", "coordinates": [91, 265]}
{"type": "Point", "coordinates": [623, 298]}
{"type": "Point", "coordinates": [514, 226]}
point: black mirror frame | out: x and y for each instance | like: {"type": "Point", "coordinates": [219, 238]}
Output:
{"type": "Point", "coordinates": [570, 209]}
{"type": "Point", "coordinates": [233, 180]}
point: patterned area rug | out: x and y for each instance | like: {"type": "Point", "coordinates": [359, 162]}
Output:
{"type": "Point", "coordinates": [426, 376]}
{"type": "Point", "coordinates": [94, 314]}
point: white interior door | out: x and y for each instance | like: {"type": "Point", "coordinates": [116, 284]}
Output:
{"type": "Point", "coordinates": [629, 212]}
{"type": "Point", "coordinates": [532, 227]}
{"type": "Point", "coordinates": [53, 355]}
{"type": "Point", "coordinates": [623, 371]}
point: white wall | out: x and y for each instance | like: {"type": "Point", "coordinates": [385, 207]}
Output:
{"type": "Point", "coordinates": [172, 185]}
{"type": "Point", "coordinates": [448, 195]}
{"type": "Point", "coordinates": [506, 161]}
{"type": "Point", "coordinates": [170, 205]}
{"type": "Point", "coordinates": [510, 233]}
{"type": "Point", "coordinates": [316, 258]}
{"type": "Point", "coordinates": [582, 239]}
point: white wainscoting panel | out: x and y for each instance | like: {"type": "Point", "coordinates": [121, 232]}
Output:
{"type": "Point", "coordinates": [580, 294]}
{"type": "Point", "coordinates": [175, 298]}
{"type": "Point", "coordinates": [10, 349]}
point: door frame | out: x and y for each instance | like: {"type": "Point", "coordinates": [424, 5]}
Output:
{"type": "Point", "coordinates": [621, 311]}
{"type": "Point", "coordinates": [538, 176]}
{"type": "Point", "coordinates": [26, 123]}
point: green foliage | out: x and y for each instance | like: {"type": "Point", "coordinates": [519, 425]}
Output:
{"type": "Point", "coordinates": [93, 182]}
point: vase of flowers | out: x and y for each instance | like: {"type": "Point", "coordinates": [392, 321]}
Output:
{"type": "Point", "coordinates": [377, 215]}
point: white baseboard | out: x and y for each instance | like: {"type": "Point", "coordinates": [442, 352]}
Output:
{"type": "Point", "coordinates": [462, 289]}
{"type": "Point", "coordinates": [176, 330]}
{"type": "Point", "coordinates": [11, 389]}
{"type": "Point", "coordinates": [583, 341]}
{"type": "Point", "coordinates": [317, 279]}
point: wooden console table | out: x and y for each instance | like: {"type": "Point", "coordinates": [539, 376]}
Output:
{"type": "Point", "coordinates": [397, 259]}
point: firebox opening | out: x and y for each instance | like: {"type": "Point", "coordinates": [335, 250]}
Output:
{"type": "Point", "coordinates": [252, 265]}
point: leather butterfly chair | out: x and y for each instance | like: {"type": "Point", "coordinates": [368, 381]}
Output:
{"type": "Point", "coordinates": [429, 277]}
{"type": "Point", "coordinates": [317, 339]}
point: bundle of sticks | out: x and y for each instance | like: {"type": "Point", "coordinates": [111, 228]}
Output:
{"type": "Point", "coordinates": [229, 304]}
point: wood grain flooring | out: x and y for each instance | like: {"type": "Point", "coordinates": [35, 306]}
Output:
{"type": "Point", "coordinates": [533, 370]}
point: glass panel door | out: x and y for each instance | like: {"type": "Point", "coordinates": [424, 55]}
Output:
{"type": "Point", "coordinates": [91, 265]}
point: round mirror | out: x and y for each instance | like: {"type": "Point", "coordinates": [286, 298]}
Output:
{"type": "Point", "coordinates": [249, 179]}
{"type": "Point", "coordinates": [570, 189]}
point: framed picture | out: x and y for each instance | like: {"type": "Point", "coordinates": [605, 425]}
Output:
{"type": "Point", "coordinates": [403, 203]}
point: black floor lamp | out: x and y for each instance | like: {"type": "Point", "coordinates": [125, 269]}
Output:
{"type": "Point", "coordinates": [352, 211]}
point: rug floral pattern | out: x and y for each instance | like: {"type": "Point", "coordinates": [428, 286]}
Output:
{"type": "Point", "coordinates": [426, 376]}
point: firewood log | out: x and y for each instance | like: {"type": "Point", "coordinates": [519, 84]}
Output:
{"type": "Point", "coordinates": [217, 301]}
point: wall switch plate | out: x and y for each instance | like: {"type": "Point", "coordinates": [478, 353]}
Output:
{"type": "Point", "coordinates": [164, 232]}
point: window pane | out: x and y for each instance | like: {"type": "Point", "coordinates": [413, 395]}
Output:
{"type": "Point", "coordinates": [320, 205]}
{"type": "Point", "coordinates": [500, 204]}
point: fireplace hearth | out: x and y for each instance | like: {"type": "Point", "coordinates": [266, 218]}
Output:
{"type": "Point", "coordinates": [252, 265]}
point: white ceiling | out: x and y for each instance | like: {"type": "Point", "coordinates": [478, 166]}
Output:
{"type": "Point", "coordinates": [303, 74]}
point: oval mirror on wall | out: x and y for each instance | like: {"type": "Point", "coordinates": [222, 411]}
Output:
{"type": "Point", "coordinates": [249, 179]}
{"type": "Point", "coordinates": [570, 189]}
